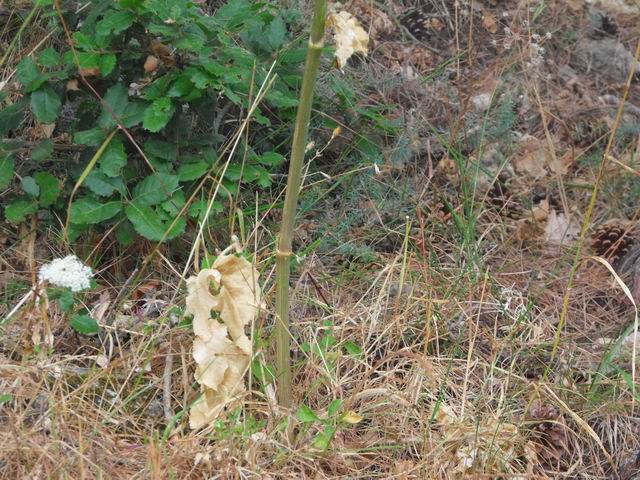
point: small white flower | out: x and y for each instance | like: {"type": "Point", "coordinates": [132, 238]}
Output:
{"type": "Point", "coordinates": [67, 272]}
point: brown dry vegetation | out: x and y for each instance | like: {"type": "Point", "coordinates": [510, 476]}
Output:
{"type": "Point", "coordinates": [464, 371]}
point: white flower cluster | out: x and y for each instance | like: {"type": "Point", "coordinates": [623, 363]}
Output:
{"type": "Point", "coordinates": [537, 53]}
{"type": "Point", "coordinates": [534, 43]}
{"type": "Point", "coordinates": [67, 272]}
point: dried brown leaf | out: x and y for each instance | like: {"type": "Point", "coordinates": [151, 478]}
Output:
{"type": "Point", "coordinates": [151, 63]}
{"type": "Point", "coordinates": [531, 157]}
{"type": "Point", "coordinates": [222, 350]}
{"type": "Point", "coordinates": [490, 22]}
{"type": "Point", "coordinates": [560, 230]}
{"type": "Point", "coordinates": [349, 36]}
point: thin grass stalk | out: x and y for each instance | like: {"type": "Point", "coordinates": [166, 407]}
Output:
{"type": "Point", "coordinates": [284, 253]}
{"type": "Point", "coordinates": [587, 218]}
{"type": "Point", "coordinates": [16, 38]}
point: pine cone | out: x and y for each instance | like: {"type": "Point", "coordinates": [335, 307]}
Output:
{"type": "Point", "coordinates": [613, 241]}
{"type": "Point", "coordinates": [418, 23]}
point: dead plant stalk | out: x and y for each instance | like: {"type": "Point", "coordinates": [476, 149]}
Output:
{"type": "Point", "coordinates": [283, 252]}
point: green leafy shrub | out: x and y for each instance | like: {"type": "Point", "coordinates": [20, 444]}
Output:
{"type": "Point", "coordinates": [170, 77]}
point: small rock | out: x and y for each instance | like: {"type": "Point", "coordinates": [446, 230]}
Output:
{"type": "Point", "coordinates": [606, 58]}
{"type": "Point", "coordinates": [481, 102]}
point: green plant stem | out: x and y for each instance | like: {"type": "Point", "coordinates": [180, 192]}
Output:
{"type": "Point", "coordinates": [83, 176]}
{"type": "Point", "coordinates": [16, 38]}
{"type": "Point", "coordinates": [284, 253]}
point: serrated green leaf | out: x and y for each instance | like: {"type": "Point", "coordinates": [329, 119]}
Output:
{"type": "Point", "coordinates": [160, 165]}
{"type": "Point", "coordinates": [100, 184]}
{"type": "Point", "coordinates": [7, 168]}
{"type": "Point", "coordinates": [85, 324]}
{"type": "Point", "coordinates": [90, 211]}
{"type": "Point", "coordinates": [43, 151]}
{"type": "Point", "coordinates": [282, 100]}
{"type": "Point", "coordinates": [131, 3]}
{"type": "Point", "coordinates": [114, 21]}
{"type": "Point", "coordinates": [74, 230]}
{"type": "Point", "coordinates": [83, 41]}
{"type": "Point", "coordinates": [18, 210]}
{"type": "Point", "coordinates": [89, 60]}
{"type": "Point", "coordinates": [199, 78]}
{"type": "Point", "coordinates": [234, 172]}
{"type": "Point", "coordinates": [49, 188]}
{"type": "Point", "coordinates": [276, 32]}
{"type": "Point", "coordinates": [45, 104]}
{"type": "Point", "coordinates": [159, 86]}
{"type": "Point", "coordinates": [133, 114]}
{"type": "Point", "coordinates": [117, 98]}
{"type": "Point", "coordinates": [92, 138]}
{"type": "Point", "coordinates": [233, 14]}
{"type": "Point", "coordinates": [29, 75]}
{"type": "Point", "coordinates": [107, 64]}
{"type": "Point", "coordinates": [271, 159]}
{"type": "Point", "coordinates": [174, 204]}
{"type": "Point", "coordinates": [113, 158]}
{"type": "Point", "coordinates": [12, 116]}
{"type": "Point", "coordinates": [212, 66]}
{"type": "Point", "coordinates": [184, 88]}
{"type": "Point", "coordinates": [30, 187]}
{"type": "Point", "coordinates": [257, 174]}
{"type": "Point", "coordinates": [193, 39]}
{"type": "Point", "coordinates": [49, 58]}
{"type": "Point", "coordinates": [322, 441]}
{"type": "Point", "coordinates": [148, 223]}
{"type": "Point", "coordinates": [233, 96]}
{"type": "Point", "coordinates": [125, 233]}
{"type": "Point", "coordinates": [306, 415]}
{"type": "Point", "coordinates": [191, 171]}
{"type": "Point", "coordinates": [64, 297]}
{"type": "Point", "coordinates": [156, 188]}
{"type": "Point", "coordinates": [5, 398]}
{"type": "Point", "coordinates": [164, 150]}
{"type": "Point", "coordinates": [199, 208]}
{"type": "Point", "coordinates": [158, 114]}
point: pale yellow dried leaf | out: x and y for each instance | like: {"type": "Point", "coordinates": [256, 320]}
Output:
{"type": "Point", "coordinates": [349, 36]}
{"type": "Point", "coordinates": [223, 300]}
{"type": "Point", "coordinates": [240, 293]}
{"type": "Point", "coordinates": [352, 418]}
{"type": "Point", "coordinates": [200, 301]}
{"type": "Point", "coordinates": [205, 409]}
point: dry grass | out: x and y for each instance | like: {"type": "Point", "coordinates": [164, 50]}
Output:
{"type": "Point", "coordinates": [438, 401]}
